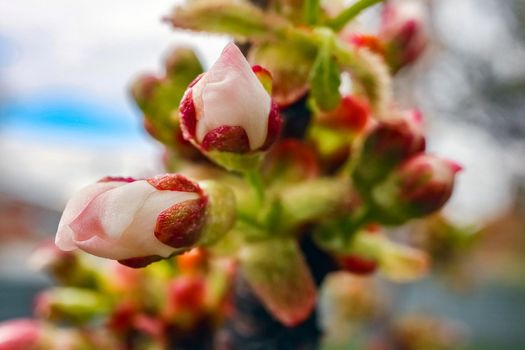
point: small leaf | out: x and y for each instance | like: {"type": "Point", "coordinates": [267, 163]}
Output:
{"type": "Point", "coordinates": [279, 276]}
{"type": "Point", "coordinates": [236, 18]}
{"type": "Point", "coordinates": [325, 78]}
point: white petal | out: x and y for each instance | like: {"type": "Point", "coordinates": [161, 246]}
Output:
{"type": "Point", "coordinates": [230, 94]}
{"type": "Point", "coordinates": [117, 208]}
{"type": "Point", "coordinates": [140, 234]}
{"type": "Point", "coordinates": [79, 201]}
{"type": "Point", "coordinates": [108, 248]}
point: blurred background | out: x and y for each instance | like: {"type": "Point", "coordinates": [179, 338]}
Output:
{"type": "Point", "coordinates": [66, 120]}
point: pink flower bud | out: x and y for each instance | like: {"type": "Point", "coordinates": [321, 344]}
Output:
{"type": "Point", "coordinates": [420, 186]}
{"type": "Point", "coordinates": [144, 87]}
{"type": "Point", "coordinates": [20, 334]}
{"type": "Point", "coordinates": [134, 221]}
{"type": "Point", "coordinates": [229, 109]}
{"type": "Point", "coordinates": [403, 33]}
{"type": "Point", "coordinates": [389, 143]}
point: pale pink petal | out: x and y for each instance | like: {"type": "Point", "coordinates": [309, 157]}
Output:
{"type": "Point", "coordinates": [114, 210]}
{"type": "Point", "coordinates": [140, 234]}
{"type": "Point", "coordinates": [74, 207]}
{"type": "Point", "coordinates": [230, 94]}
{"type": "Point", "coordinates": [108, 248]}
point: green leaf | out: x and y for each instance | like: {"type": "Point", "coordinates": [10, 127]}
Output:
{"type": "Point", "coordinates": [236, 18]}
{"type": "Point", "coordinates": [325, 77]}
{"type": "Point", "coordinates": [279, 276]}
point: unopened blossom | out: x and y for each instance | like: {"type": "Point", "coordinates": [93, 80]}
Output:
{"type": "Point", "coordinates": [388, 143]}
{"type": "Point", "coordinates": [419, 187]}
{"type": "Point", "coordinates": [20, 334]}
{"type": "Point", "coordinates": [403, 32]}
{"type": "Point", "coordinates": [228, 109]}
{"type": "Point", "coordinates": [137, 221]}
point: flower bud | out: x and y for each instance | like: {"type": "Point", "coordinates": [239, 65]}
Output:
{"type": "Point", "coordinates": [143, 89]}
{"type": "Point", "coordinates": [352, 114]}
{"type": "Point", "coordinates": [389, 143]}
{"type": "Point", "coordinates": [20, 334]}
{"type": "Point", "coordinates": [70, 304]}
{"type": "Point", "coordinates": [185, 300]}
{"type": "Point", "coordinates": [138, 222]}
{"type": "Point", "coordinates": [158, 97]}
{"type": "Point", "coordinates": [227, 111]}
{"type": "Point", "coordinates": [182, 64]}
{"type": "Point", "coordinates": [368, 251]}
{"type": "Point", "coordinates": [403, 33]}
{"type": "Point", "coordinates": [419, 187]}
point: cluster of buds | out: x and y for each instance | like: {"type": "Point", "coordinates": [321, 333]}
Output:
{"type": "Point", "coordinates": [395, 175]}
{"type": "Point", "coordinates": [149, 306]}
{"type": "Point", "coordinates": [348, 168]}
{"type": "Point", "coordinates": [141, 221]}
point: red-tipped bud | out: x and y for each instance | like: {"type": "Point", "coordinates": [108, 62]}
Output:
{"type": "Point", "coordinates": [389, 143]}
{"type": "Point", "coordinates": [422, 185]}
{"type": "Point", "coordinates": [139, 222]}
{"type": "Point", "coordinates": [228, 109]}
{"type": "Point", "coordinates": [143, 88]}
{"type": "Point", "coordinates": [352, 114]}
{"type": "Point", "coordinates": [403, 33]}
{"type": "Point", "coordinates": [121, 318]}
{"type": "Point", "coordinates": [20, 334]}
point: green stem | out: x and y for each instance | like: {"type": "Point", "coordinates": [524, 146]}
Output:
{"type": "Point", "coordinates": [349, 13]}
{"type": "Point", "coordinates": [355, 222]}
{"type": "Point", "coordinates": [311, 11]}
{"type": "Point", "coordinates": [255, 180]}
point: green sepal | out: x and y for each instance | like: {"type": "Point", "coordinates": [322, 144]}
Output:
{"type": "Point", "coordinates": [220, 212]}
{"type": "Point", "coordinates": [236, 18]}
{"type": "Point", "coordinates": [277, 272]}
{"type": "Point", "coordinates": [236, 162]}
{"type": "Point", "coordinates": [325, 76]}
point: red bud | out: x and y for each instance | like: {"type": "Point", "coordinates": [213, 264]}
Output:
{"type": "Point", "coordinates": [20, 334]}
